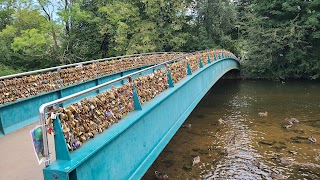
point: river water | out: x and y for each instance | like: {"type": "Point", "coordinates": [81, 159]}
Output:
{"type": "Point", "coordinates": [234, 142]}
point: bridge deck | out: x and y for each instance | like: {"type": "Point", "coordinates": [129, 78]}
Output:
{"type": "Point", "coordinates": [17, 159]}
{"type": "Point", "coordinates": [17, 156]}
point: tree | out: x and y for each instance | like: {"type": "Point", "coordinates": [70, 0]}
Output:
{"type": "Point", "coordinates": [6, 70]}
{"type": "Point", "coordinates": [282, 39]}
{"type": "Point", "coordinates": [26, 42]}
{"type": "Point", "coordinates": [6, 11]}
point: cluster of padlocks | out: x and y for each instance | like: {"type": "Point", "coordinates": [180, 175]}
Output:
{"type": "Point", "coordinates": [150, 85]}
{"type": "Point", "coordinates": [12, 89]}
{"type": "Point", "coordinates": [83, 120]}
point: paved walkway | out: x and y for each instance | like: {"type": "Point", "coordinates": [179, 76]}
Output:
{"type": "Point", "coordinates": [17, 158]}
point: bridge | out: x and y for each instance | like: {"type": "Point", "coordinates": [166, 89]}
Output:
{"type": "Point", "coordinates": [115, 125]}
{"type": "Point", "coordinates": [25, 91]}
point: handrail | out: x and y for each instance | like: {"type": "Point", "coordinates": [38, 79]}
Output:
{"type": "Point", "coordinates": [43, 107]}
{"type": "Point", "coordinates": [79, 63]}
{"type": "Point", "coordinates": [64, 99]}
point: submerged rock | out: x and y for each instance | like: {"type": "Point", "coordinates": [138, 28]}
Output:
{"type": "Point", "coordinates": [202, 151]}
{"type": "Point", "coordinates": [281, 142]}
{"type": "Point", "coordinates": [279, 146]}
{"type": "Point", "coordinates": [298, 131]}
{"type": "Point", "coordinates": [168, 163]}
{"type": "Point", "coordinates": [296, 141]}
{"type": "Point", "coordinates": [187, 167]}
{"type": "Point", "coordinates": [195, 149]}
{"type": "Point", "coordinates": [278, 176]}
{"type": "Point", "coordinates": [200, 116]}
{"type": "Point", "coordinates": [266, 142]}
{"type": "Point", "coordinates": [287, 160]}
{"type": "Point", "coordinates": [299, 138]}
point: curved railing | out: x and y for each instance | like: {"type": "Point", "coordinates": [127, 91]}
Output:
{"type": "Point", "coordinates": [81, 121]}
{"type": "Point", "coordinates": [22, 92]}
{"type": "Point", "coordinates": [23, 85]}
{"type": "Point", "coordinates": [45, 85]}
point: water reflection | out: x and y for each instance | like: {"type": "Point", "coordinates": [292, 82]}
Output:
{"type": "Point", "coordinates": [234, 142]}
{"type": "Point", "coordinates": [239, 159]}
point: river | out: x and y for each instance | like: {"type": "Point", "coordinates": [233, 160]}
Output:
{"type": "Point", "coordinates": [234, 141]}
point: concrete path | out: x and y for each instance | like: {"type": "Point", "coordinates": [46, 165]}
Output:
{"type": "Point", "coordinates": [17, 158]}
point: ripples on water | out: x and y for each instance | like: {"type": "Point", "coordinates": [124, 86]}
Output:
{"type": "Point", "coordinates": [233, 142]}
{"type": "Point", "coordinates": [240, 158]}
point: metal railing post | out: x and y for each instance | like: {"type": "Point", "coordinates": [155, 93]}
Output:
{"type": "Point", "coordinates": [44, 134]}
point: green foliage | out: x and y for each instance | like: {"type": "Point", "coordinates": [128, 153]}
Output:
{"type": "Point", "coordinates": [143, 40]}
{"type": "Point", "coordinates": [279, 39]}
{"type": "Point", "coordinates": [27, 43]}
{"type": "Point", "coordinates": [282, 39]}
{"type": "Point", "coordinates": [216, 20]}
{"type": "Point", "coordinates": [6, 12]}
{"type": "Point", "coordinates": [122, 22]}
{"type": "Point", "coordinates": [6, 70]}
{"type": "Point", "coordinates": [42, 33]}
{"type": "Point", "coordinates": [32, 42]}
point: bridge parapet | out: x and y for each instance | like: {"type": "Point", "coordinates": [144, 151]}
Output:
{"type": "Point", "coordinates": [31, 89]}
{"type": "Point", "coordinates": [159, 99]}
{"type": "Point", "coordinates": [20, 93]}
{"type": "Point", "coordinates": [24, 85]}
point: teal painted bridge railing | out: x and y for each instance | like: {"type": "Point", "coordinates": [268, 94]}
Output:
{"type": "Point", "coordinates": [20, 113]}
{"type": "Point", "coordinates": [128, 148]}
{"type": "Point", "coordinates": [16, 115]}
